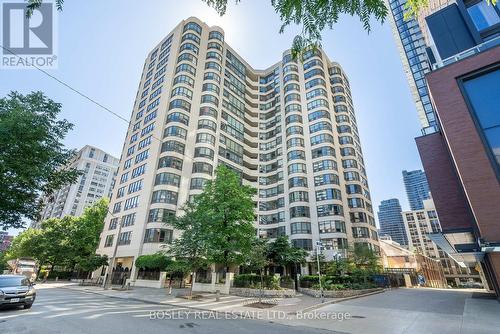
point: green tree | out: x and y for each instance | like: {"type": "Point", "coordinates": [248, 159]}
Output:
{"type": "Point", "coordinates": [283, 254]}
{"type": "Point", "coordinates": [153, 261]}
{"type": "Point", "coordinates": [258, 260]}
{"type": "Point", "coordinates": [360, 263]}
{"type": "Point", "coordinates": [86, 233]}
{"type": "Point", "coordinates": [3, 262]}
{"type": "Point", "coordinates": [226, 212]}
{"type": "Point", "coordinates": [189, 250]}
{"type": "Point", "coordinates": [218, 225]}
{"type": "Point", "coordinates": [91, 263]}
{"type": "Point", "coordinates": [363, 257]}
{"type": "Point", "coordinates": [31, 155]}
{"type": "Point", "coordinates": [29, 243]}
{"type": "Point", "coordinates": [69, 241]}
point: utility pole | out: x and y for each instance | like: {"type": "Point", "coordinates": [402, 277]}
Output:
{"type": "Point", "coordinates": [319, 244]}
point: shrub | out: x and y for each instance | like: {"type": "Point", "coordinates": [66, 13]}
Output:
{"type": "Point", "coordinates": [252, 281]}
{"type": "Point", "coordinates": [308, 281]}
{"type": "Point", "coordinates": [337, 282]}
{"type": "Point", "coordinates": [62, 275]}
{"type": "Point", "coordinates": [287, 282]}
{"type": "Point", "coordinates": [154, 261]}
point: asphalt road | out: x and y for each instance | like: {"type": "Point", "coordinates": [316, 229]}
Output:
{"type": "Point", "coordinates": [58, 310]}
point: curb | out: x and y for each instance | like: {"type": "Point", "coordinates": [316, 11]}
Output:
{"type": "Point", "coordinates": [314, 307]}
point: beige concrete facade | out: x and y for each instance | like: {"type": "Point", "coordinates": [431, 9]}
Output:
{"type": "Point", "coordinates": [99, 172]}
{"type": "Point", "coordinates": [419, 224]}
{"type": "Point", "coordinates": [289, 130]}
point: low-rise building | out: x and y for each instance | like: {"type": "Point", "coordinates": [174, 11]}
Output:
{"type": "Point", "coordinates": [419, 225]}
{"type": "Point", "coordinates": [397, 259]}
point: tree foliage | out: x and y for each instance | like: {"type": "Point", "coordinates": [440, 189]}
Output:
{"type": "Point", "coordinates": [258, 258]}
{"type": "Point", "coordinates": [35, 4]}
{"type": "Point", "coordinates": [69, 241]}
{"type": "Point", "coordinates": [227, 213]}
{"type": "Point", "coordinates": [313, 16]}
{"type": "Point", "coordinates": [316, 15]}
{"type": "Point", "coordinates": [92, 262]}
{"type": "Point", "coordinates": [218, 225]}
{"type": "Point", "coordinates": [190, 247]}
{"type": "Point", "coordinates": [281, 253]}
{"type": "Point", "coordinates": [31, 155]}
{"type": "Point", "coordinates": [153, 261]}
{"type": "Point", "coordinates": [361, 261]}
{"type": "Point", "coordinates": [3, 262]}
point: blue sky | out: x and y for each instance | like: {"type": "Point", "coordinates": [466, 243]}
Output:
{"type": "Point", "coordinates": [103, 44]}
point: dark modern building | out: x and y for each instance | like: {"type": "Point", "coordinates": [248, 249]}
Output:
{"type": "Point", "coordinates": [462, 160]}
{"type": "Point", "coordinates": [417, 188]}
{"type": "Point", "coordinates": [391, 221]}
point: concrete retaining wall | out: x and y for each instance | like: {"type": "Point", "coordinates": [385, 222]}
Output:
{"type": "Point", "coordinates": [336, 293]}
{"type": "Point", "coordinates": [144, 283]}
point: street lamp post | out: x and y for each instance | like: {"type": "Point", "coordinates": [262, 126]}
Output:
{"type": "Point", "coordinates": [319, 244]}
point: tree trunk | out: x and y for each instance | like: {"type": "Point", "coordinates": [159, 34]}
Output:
{"type": "Point", "coordinates": [261, 286]}
{"type": "Point", "coordinates": [191, 288]}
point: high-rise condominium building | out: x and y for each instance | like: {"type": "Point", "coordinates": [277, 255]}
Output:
{"type": "Point", "coordinates": [412, 49]}
{"type": "Point", "coordinates": [289, 130]}
{"type": "Point", "coordinates": [420, 225]}
{"type": "Point", "coordinates": [391, 222]}
{"type": "Point", "coordinates": [99, 172]}
{"type": "Point", "coordinates": [417, 188]}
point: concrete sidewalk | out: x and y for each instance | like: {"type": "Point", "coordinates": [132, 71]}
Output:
{"type": "Point", "coordinates": [208, 301]}
{"type": "Point", "coordinates": [411, 311]}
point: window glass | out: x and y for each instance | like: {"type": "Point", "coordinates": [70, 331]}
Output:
{"type": "Point", "coordinates": [482, 93]}
{"type": "Point", "coordinates": [483, 14]}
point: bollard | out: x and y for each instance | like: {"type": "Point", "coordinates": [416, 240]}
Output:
{"type": "Point", "coordinates": [217, 295]}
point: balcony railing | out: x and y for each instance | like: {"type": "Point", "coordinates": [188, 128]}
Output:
{"type": "Point", "coordinates": [489, 44]}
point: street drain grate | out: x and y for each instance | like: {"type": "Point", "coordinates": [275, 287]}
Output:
{"type": "Point", "coordinates": [357, 317]}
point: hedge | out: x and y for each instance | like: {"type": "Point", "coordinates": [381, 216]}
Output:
{"type": "Point", "coordinates": [254, 281]}
{"type": "Point", "coordinates": [336, 282]}
{"type": "Point", "coordinates": [153, 261]}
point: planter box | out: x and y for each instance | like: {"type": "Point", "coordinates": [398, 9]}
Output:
{"type": "Point", "coordinates": [337, 293]}
{"type": "Point", "coordinates": [246, 292]}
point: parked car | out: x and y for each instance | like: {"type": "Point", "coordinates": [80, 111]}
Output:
{"type": "Point", "coordinates": [16, 290]}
